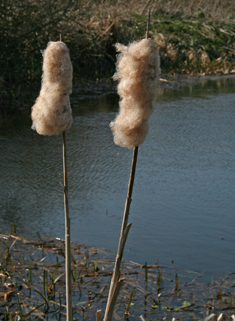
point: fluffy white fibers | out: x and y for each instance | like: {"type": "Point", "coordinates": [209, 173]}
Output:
{"type": "Point", "coordinates": [138, 69]}
{"type": "Point", "coordinates": [52, 114]}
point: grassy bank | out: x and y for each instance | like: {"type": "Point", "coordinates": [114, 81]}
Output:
{"type": "Point", "coordinates": [192, 37]}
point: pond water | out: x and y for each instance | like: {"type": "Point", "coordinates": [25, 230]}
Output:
{"type": "Point", "coordinates": [183, 208]}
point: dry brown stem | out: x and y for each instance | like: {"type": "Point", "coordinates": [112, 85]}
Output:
{"type": "Point", "coordinates": [69, 304]}
{"type": "Point", "coordinates": [115, 281]}
{"type": "Point", "coordinates": [124, 67]}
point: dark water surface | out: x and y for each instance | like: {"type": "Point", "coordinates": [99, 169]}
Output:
{"type": "Point", "coordinates": [183, 209]}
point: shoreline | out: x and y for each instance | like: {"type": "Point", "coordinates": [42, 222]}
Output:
{"type": "Point", "coordinates": [91, 89]}
{"type": "Point", "coordinates": [33, 270]}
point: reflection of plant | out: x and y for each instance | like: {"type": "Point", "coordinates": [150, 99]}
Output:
{"type": "Point", "coordinates": [160, 281]}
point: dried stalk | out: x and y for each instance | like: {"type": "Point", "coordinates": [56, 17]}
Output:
{"type": "Point", "coordinates": [115, 285]}
{"type": "Point", "coordinates": [148, 23]}
{"type": "Point", "coordinates": [116, 282]}
{"type": "Point", "coordinates": [98, 315]}
{"type": "Point", "coordinates": [69, 304]}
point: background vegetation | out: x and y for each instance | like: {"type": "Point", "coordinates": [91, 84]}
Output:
{"type": "Point", "coordinates": [193, 36]}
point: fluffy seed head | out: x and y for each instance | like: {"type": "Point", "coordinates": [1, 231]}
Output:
{"type": "Point", "coordinates": [138, 69]}
{"type": "Point", "coordinates": [52, 114]}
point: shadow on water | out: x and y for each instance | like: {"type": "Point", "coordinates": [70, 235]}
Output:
{"type": "Point", "coordinates": [183, 201]}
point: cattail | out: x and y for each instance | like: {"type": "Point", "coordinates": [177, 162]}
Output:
{"type": "Point", "coordinates": [138, 69]}
{"type": "Point", "coordinates": [52, 114]}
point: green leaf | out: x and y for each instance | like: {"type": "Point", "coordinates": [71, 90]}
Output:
{"type": "Point", "coordinates": [186, 304]}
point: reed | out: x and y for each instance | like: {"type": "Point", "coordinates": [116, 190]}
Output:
{"type": "Point", "coordinates": [138, 69]}
{"type": "Point", "coordinates": [52, 115]}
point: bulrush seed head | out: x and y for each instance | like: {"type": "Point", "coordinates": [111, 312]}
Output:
{"type": "Point", "coordinates": [138, 69]}
{"type": "Point", "coordinates": [52, 114]}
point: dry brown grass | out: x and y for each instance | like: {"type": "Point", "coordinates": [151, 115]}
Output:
{"type": "Point", "coordinates": [32, 285]}
{"type": "Point", "coordinates": [212, 9]}
{"type": "Point", "coordinates": [91, 28]}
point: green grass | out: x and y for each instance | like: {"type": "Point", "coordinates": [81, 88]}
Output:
{"type": "Point", "coordinates": [184, 41]}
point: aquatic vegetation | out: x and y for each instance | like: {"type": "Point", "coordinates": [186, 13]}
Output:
{"type": "Point", "coordinates": [44, 297]}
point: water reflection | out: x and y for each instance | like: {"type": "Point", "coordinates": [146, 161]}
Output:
{"type": "Point", "coordinates": [183, 201]}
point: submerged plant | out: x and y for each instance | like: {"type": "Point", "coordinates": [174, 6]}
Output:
{"type": "Point", "coordinates": [52, 114]}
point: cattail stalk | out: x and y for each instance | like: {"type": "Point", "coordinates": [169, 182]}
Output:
{"type": "Point", "coordinates": [130, 128]}
{"type": "Point", "coordinates": [68, 276]}
{"type": "Point", "coordinates": [52, 115]}
{"type": "Point", "coordinates": [116, 282]}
